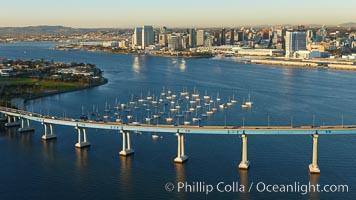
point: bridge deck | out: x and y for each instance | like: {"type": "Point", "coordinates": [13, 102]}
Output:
{"type": "Point", "coordinates": [346, 129]}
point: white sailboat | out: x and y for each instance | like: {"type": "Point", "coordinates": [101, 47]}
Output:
{"type": "Point", "coordinates": [249, 103]}
{"type": "Point", "coordinates": [233, 99]}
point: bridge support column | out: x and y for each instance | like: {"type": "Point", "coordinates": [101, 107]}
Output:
{"type": "Point", "coordinates": [244, 164]}
{"type": "Point", "coordinates": [126, 149]}
{"type": "Point", "coordinates": [313, 167]}
{"type": "Point", "coordinates": [25, 129]}
{"type": "Point", "coordinates": [50, 135]}
{"type": "Point", "coordinates": [10, 123]}
{"type": "Point", "coordinates": [181, 157]}
{"type": "Point", "coordinates": [82, 143]}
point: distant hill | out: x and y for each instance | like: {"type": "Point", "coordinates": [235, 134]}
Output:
{"type": "Point", "coordinates": [38, 30]}
{"type": "Point", "coordinates": [348, 24]}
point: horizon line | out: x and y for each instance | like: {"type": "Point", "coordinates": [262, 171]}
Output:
{"type": "Point", "coordinates": [132, 27]}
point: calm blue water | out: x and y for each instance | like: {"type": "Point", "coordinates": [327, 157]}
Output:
{"type": "Point", "coordinates": [36, 169]}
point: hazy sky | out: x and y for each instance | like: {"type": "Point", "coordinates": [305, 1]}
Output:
{"type": "Point", "coordinates": [177, 13]}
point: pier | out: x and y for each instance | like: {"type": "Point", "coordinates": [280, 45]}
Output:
{"type": "Point", "coordinates": [18, 117]}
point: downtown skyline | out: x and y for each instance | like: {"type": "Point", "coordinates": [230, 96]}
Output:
{"type": "Point", "coordinates": [125, 14]}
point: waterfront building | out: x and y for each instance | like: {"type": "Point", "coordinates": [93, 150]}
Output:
{"type": "Point", "coordinates": [310, 54]}
{"type": "Point", "coordinates": [240, 36]}
{"type": "Point", "coordinates": [174, 42]}
{"type": "Point", "coordinates": [148, 36]}
{"type": "Point", "coordinates": [320, 46]}
{"type": "Point", "coordinates": [310, 36]}
{"type": "Point", "coordinates": [232, 36]}
{"type": "Point", "coordinates": [223, 37]}
{"type": "Point", "coordinates": [110, 44]}
{"type": "Point", "coordinates": [185, 41]}
{"type": "Point", "coordinates": [258, 52]}
{"type": "Point", "coordinates": [123, 44]}
{"type": "Point", "coordinates": [137, 37]}
{"type": "Point", "coordinates": [192, 38]}
{"type": "Point", "coordinates": [163, 39]}
{"type": "Point", "coordinates": [200, 38]}
{"type": "Point", "coordinates": [295, 41]}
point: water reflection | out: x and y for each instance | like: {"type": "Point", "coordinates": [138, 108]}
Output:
{"type": "Point", "coordinates": [244, 184]}
{"type": "Point", "coordinates": [174, 61]}
{"type": "Point", "coordinates": [314, 181]}
{"type": "Point", "coordinates": [82, 158]}
{"type": "Point", "coordinates": [182, 65]}
{"type": "Point", "coordinates": [136, 65]}
{"type": "Point", "coordinates": [180, 177]}
{"type": "Point", "coordinates": [48, 149]}
{"type": "Point", "coordinates": [126, 175]}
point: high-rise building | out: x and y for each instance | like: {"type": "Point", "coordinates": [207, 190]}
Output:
{"type": "Point", "coordinates": [310, 36]}
{"type": "Point", "coordinates": [148, 36]}
{"type": "Point", "coordinates": [174, 42]}
{"type": "Point", "coordinates": [216, 41]}
{"type": "Point", "coordinates": [192, 38]}
{"type": "Point", "coordinates": [240, 36]}
{"type": "Point", "coordinates": [295, 41]}
{"type": "Point", "coordinates": [223, 37]}
{"type": "Point", "coordinates": [137, 37]}
{"type": "Point", "coordinates": [232, 36]}
{"type": "Point", "coordinates": [200, 38]}
{"type": "Point", "coordinates": [163, 39]}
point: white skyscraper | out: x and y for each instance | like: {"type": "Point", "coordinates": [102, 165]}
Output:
{"type": "Point", "coordinates": [148, 36]}
{"type": "Point", "coordinates": [137, 37]}
{"type": "Point", "coordinates": [295, 41]}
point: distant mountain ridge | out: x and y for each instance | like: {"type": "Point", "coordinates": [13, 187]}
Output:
{"type": "Point", "coordinates": [38, 30]}
{"type": "Point", "coordinates": [348, 24]}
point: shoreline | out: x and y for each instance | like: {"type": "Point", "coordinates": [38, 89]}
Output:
{"type": "Point", "coordinates": [22, 100]}
{"type": "Point", "coordinates": [179, 55]}
{"type": "Point", "coordinates": [267, 61]}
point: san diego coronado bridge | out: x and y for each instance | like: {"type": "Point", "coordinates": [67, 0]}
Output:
{"type": "Point", "coordinates": [15, 117]}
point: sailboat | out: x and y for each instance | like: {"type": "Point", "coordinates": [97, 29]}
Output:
{"type": "Point", "coordinates": [249, 102]}
{"type": "Point", "coordinates": [141, 99]}
{"type": "Point", "coordinates": [185, 92]}
{"type": "Point", "coordinates": [209, 112]}
{"type": "Point", "coordinates": [218, 98]}
{"type": "Point", "coordinates": [169, 119]}
{"type": "Point", "coordinates": [118, 119]}
{"type": "Point", "coordinates": [195, 94]}
{"type": "Point", "coordinates": [149, 97]}
{"type": "Point", "coordinates": [196, 118]}
{"type": "Point", "coordinates": [186, 121]}
{"type": "Point", "coordinates": [244, 104]}
{"type": "Point", "coordinates": [233, 99]}
{"type": "Point", "coordinates": [206, 96]}
{"type": "Point", "coordinates": [132, 102]}
{"type": "Point", "coordinates": [229, 103]}
{"type": "Point", "coordinates": [83, 116]}
{"type": "Point", "coordinates": [136, 123]}
{"type": "Point", "coordinates": [148, 118]}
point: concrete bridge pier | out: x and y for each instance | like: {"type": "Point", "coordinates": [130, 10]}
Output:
{"type": "Point", "coordinates": [12, 123]}
{"type": "Point", "coordinates": [313, 167]}
{"type": "Point", "coordinates": [126, 150]}
{"type": "Point", "coordinates": [50, 135]}
{"type": "Point", "coordinates": [244, 164]}
{"type": "Point", "coordinates": [181, 157]}
{"type": "Point", "coordinates": [82, 143]}
{"type": "Point", "coordinates": [23, 128]}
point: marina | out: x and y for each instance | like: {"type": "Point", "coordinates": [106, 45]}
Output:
{"type": "Point", "coordinates": [166, 108]}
